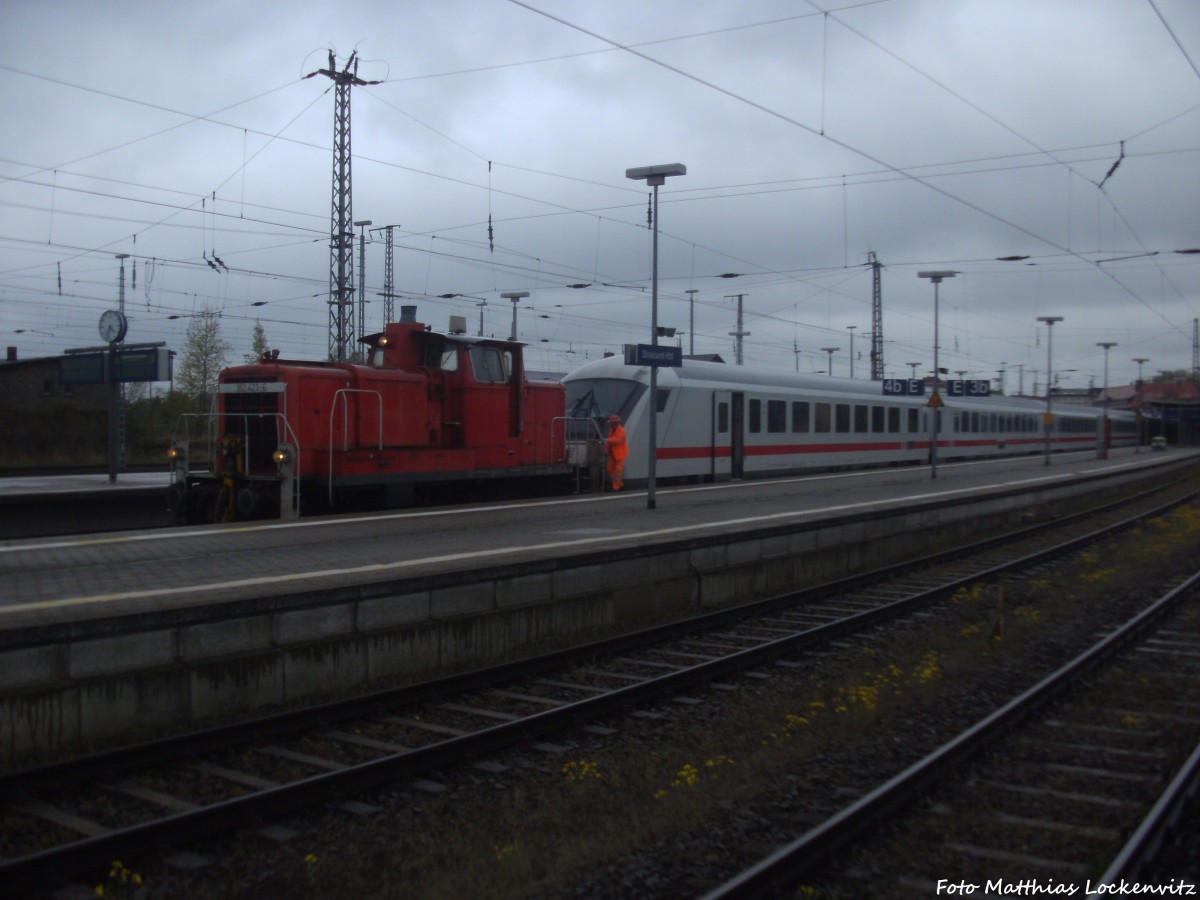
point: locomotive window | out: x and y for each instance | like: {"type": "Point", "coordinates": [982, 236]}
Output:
{"type": "Point", "coordinates": [893, 414]}
{"type": "Point", "coordinates": [913, 420]}
{"type": "Point", "coordinates": [842, 418]}
{"type": "Point", "coordinates": [755, 416]}
{"type": "Point", "coordinates": [821, 421]}
{"type": "Point", "coordinates": [722, 418]}
{"type": "Point", "coordinates": [664, 394]}
{"type": "Point", "coordinates": [449, 361]}
{"type": "Point", "coordinates": [487, 366]}
{"type": "Point", "coordinates": [800, 417]}
{"type": "Point", "coordinates": [877, 422]}
{"type": "Point", "coordinates": [776, 416]}
{"type": "Point", "coordinates": [861, 419]}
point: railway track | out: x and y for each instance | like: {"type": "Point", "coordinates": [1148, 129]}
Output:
{"type": "Point", "coordinates": [1040, 792]}
{"type": "Point", "coordinates": [78, 815]}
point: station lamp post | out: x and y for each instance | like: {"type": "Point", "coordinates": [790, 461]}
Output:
{"type": "Point", "coordinates": [361, 225]}
{"type": "Point", "coordinates": [654, 176]}
{"type": "Point", "coordinates": [935, 402]}
{"type": "Point", "coordinates": [692, 292]}
{"type": "Point", "coordinates": [1137, 448]}
{"type": "Point", "coordinates": [1107, 345]}
{"type": "Point", "coordinates": [515, 297]}
{"type": "Point", "coordinates": [1048, 421]}
{"type": "Point", "coordinates": [830, 351]}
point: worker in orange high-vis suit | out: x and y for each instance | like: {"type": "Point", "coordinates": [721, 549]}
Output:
{"type": "Point", "coordinates": [616, 449]}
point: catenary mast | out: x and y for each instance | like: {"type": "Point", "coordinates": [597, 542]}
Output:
{"type": "Point", "coordinates": [876, 317]}
{"type": "Point", "coordinates": [341, 231]}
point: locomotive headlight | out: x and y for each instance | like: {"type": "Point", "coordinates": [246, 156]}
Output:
{"type": "Point", "coordinates": [282, 456]}
{"type": "Point", "coordinates": [174, 453]}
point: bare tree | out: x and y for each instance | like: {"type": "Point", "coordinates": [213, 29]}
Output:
{"type": "Point", "coordinates": [204, 356]}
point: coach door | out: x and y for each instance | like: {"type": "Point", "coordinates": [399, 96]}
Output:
{"type": "Point", "coordinates": [727, 446]}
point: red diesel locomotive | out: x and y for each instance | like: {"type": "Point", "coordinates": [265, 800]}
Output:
{"type": "Point", "coordinates": [421, 409]}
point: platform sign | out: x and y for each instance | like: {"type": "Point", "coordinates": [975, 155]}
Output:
{"type": "Point", "coordinates": [147, 364]}
{"type": "Point", "coordinates": [132, 364]}
{"type": "Point", "coordinates": [903, 387]}
{"type": "Point", "coordinates": [968, 388]}
{"type": "Point", "coordinates": [658, 355]}
{"type": "Point", "coordinates": [82, 368]}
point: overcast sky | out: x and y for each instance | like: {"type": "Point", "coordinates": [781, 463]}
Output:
{"type": "Point", "coordinates": [940, 134]}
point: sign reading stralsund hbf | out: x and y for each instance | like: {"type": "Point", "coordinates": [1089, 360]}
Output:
{"type": "Point", "coordinates": [653, 355]}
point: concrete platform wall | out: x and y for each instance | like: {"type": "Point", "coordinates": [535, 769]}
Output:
{"type": "Point", "coordinates": [71, 688]}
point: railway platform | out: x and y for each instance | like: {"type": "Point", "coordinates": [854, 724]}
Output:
{"type": "Point", "coordinates": [32, 506]}
{"type": "Point", "coordinates": [171, 626]}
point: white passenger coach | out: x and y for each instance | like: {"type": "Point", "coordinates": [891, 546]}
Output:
{"type": "Point", "coordinates": [718, 422]}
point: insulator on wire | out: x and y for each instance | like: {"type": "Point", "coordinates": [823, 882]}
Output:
{"type": "Point", "coordinates": [491, 243]}
{"type": "Point", "coordinates": [649, 212]}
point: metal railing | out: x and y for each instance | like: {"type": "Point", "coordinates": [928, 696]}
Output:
{"type": "Point", "coordinates": [283, 434]}
{"type": "Point", "coordinates": [582, 440]}
{"type": "Point", "coordinates": [342, 395]}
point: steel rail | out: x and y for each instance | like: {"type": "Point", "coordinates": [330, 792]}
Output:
{"type": "Point", "coordinates": [793, 860]}
{"type": "Point", "coordinates": [1148, 837]}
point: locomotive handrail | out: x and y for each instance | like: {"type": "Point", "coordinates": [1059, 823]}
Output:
{"type": "Point", "coordinates": [591, 434]}
{"type": "Point", "coordinates": [567, 422]}
{"type": "Point", "coordinates": [210, 431]}
{"type": "Point", "coordinates": [346, 423]}
{"type": "Point", "coordinates": [210, 425]}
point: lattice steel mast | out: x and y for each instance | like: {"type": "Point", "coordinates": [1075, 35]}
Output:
{"type": "Point", "coordinates": [389, 285]}
{"type": "Point", "coordinates": [341, 231]}
{"type": "Point", "coordinates": [876, 317]}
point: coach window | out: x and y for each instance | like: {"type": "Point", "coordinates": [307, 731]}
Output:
{"type": "Point", "coordinates": [800, 417]}
{"type": "Point", "coordinates": [877, 420]}
{"type": "Point", "coordinates": [893, 415]}
{"type": "Point", "coordinates": [913, 421]}
{"type": "Point", "coordinates": [755, 416]}
{"type": "Point", "coordinates": [861, 419]}
{"type": "Point", "coordinates": [841, 419]}
{"type": "Point", "coordinates": [776, 416]}
{"type": "Point", "coordinates": [722, 418]}
{"type": "Point", "coordinates": [821, 419]}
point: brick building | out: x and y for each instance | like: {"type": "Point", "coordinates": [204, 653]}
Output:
{"type": "Point", "coordinates": [45, 422]}
{"type": "Point", "coordinates": [33, 384]}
